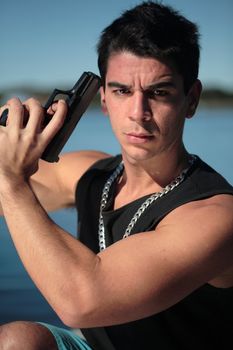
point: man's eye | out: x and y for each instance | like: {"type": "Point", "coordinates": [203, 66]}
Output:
{"type": "Point", "coordinates": [156, 93]}
{"type": "Point", "coordinates": [160, 92]}
{"type": "Point", "coordinates": [121, 92]}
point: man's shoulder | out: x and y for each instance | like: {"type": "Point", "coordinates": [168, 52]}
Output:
{"type": "Point", "coordinates": [205, 181]}
{"type": "Point", "coordinates": [81, 161]}
{"type": "Point", "coordinates": [209, 211]}
{"type": "Point", "coordinates": [84, 155]}
{"type": "Point", "coordinates": [72, 166]}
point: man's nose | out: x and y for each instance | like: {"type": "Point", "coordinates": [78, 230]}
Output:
{"type": "Point", "coordinates": [139, 109]}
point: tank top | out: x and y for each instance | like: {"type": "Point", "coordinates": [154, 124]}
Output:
{"type": "Point", "coordinates": [202, 320]}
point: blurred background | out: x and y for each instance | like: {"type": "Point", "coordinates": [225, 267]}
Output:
{"type": "Point", "coordinates": [48, 44]}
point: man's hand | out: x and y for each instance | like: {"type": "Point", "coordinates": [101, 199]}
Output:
{"type": "Point", "coordinates": [23, 139]}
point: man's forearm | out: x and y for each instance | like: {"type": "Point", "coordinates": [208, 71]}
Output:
{"type": "Point", "coordinates": [55, 260]}
{"type": "Point", "coordinates": [62, 268]}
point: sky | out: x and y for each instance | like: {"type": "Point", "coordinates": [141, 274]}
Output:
{"type": "Point", "coordinates": [49, 43]}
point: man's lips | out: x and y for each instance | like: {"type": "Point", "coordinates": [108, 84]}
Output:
{"type": "Point", "coordinates": [135, 137]}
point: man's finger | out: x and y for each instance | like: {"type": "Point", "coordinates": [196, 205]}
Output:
{"type": "Point", "coordinates": [56, 121]}
{"type": "Point", "coordinates": [36, 114]}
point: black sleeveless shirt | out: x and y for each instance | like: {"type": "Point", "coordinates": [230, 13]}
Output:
{"type": "Point", "coordinates": [202, 320]}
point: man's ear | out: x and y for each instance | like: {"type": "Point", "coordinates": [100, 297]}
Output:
{"type": "Point", "coordinates": [193, 98]}
{"type": "Point", "coordinates": [103, 103]}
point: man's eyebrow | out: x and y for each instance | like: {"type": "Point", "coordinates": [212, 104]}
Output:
{"type": "Point", "coordinates": [161, 84]}
{"type": "Point", "coordinates": [153, 86]}
{"type": "Point", "coordinates": [115, 84]}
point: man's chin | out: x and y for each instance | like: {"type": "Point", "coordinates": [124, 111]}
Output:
{"type": "Point", "coordinates": [137, 156]}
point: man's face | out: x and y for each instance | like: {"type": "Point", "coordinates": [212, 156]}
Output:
{"type": "Point", "coordinates": [145, 101]}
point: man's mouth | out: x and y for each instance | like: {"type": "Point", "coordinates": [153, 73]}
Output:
{"type": "Point", "coordinates": [134, 137]}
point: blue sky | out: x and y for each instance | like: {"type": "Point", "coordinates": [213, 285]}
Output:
{"type": "Point", "coordinates": [50, 43]}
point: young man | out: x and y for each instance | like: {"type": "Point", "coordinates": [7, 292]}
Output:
{"type": "Point", "coordinates": [154, 264]}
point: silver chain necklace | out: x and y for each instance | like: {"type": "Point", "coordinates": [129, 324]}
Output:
{"type": "Point", "coordinates": [174, 183]}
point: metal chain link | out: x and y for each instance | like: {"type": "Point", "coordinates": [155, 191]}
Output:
{"type": "Point", "coordinates": [173, 184]}
{"type": "Point", "coordinates": [104, 198]}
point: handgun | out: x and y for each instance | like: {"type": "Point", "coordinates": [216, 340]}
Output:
{"type": "Point", "coordinates": [78, 99]}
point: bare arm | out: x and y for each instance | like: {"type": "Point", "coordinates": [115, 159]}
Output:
{"type": "Point", "coordinates": [134, 278]}
{"type": "Point", "coordinates": [54, 183]}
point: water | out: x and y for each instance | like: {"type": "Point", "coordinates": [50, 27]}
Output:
{"type": "Point", "coordinates": [208, 134]}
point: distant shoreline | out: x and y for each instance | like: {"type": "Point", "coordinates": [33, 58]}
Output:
{"type": "Point", "coordinates": [216, 98]}
{"type": "Point", "coordinates": [210, 97]}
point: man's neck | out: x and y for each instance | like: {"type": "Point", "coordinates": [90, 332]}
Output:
{"type": "Point", "coordinates": [148, 176]}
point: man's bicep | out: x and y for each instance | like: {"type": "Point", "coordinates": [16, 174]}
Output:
{"type": "Point", "coordinates": [149, 272]}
